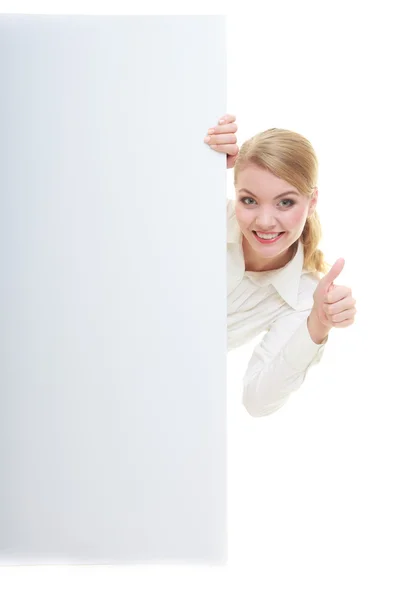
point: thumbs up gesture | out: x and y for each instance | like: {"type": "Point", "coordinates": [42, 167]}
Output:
{"type": "Point", "coordinates": [334, 305]}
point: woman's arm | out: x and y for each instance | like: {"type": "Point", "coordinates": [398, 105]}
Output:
{"type": "Point", "coordinates": [279, 364]}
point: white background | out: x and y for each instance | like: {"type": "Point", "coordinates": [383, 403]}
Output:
{"type": "Point", "coordinates": [312, 489]}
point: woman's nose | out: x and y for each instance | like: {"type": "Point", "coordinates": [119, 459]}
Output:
{"type": "Point", "coordinates": [265, 219]}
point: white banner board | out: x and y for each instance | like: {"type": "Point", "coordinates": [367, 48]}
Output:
{"type": "Point", "coordinates": [113, 290]}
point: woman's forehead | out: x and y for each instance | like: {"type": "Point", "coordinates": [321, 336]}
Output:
{"type": "Point", "coordinates": [262, 182]}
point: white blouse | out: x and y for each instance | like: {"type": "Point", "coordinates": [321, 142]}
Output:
{"type": "Point", "coordinates": [277, 302]}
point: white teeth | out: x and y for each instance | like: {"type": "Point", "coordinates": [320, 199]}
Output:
{"type": "Point", "coordinates": [267, 236]}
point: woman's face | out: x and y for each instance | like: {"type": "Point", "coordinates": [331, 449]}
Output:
{"type": "Point", "coordinates": [270, 207]}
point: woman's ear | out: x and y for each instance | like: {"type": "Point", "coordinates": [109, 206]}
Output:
{"type": "Point", "coordinates": [313, 202]}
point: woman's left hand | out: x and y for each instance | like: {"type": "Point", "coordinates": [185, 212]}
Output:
{"type": "Point", "coordinates": [334, 305]}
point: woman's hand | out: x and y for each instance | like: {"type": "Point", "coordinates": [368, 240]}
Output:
{"type": "Point", "coordinates": [334, 305]}
{"type": "Point", "coordinates": [222, 138]}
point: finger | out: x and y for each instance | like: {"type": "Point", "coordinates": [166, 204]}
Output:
{"type": "Point", "coordinates": [218, 129]}
{"type": "Point", "coordinates": [343, 316]}
{"type": "Point", "coordinates": [335, 271]}
{"type": "Point", "coordinates": [220, 139]}
{"type": "Point", "coordinates": [227, 119]}
{"type": "Point", "coordinates": [337, 307]}
{"type": "Point", "coordinates": [345, 323]}
{"type": "Point", "coordinates": [339, 292]}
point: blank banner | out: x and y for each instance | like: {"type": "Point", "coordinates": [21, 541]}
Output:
{"type": "Point", "coordinates": [113, 290]}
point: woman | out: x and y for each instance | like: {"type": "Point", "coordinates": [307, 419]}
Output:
{"type": "Point", "coordinates": [278, 280]}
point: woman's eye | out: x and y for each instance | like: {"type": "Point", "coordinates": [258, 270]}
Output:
{"type": "Point", "coordinates": [288, 200]}
{"type": "Point", "coordinates": [247, 201]}
{"type": "Point", "coordinates": [244, 199]}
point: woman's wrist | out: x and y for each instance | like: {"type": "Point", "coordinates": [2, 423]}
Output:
{"type": "Point", "coordinates": [317, 330]}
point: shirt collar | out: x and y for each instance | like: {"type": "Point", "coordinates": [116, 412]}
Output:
{"type": "Point", "coordinates": [286, 280]}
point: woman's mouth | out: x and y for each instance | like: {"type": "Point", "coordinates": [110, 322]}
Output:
{"type": "Point", "coordinates": [267, 238]}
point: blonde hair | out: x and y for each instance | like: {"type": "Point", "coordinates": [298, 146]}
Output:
{"type": "Point", "coordinates": [289, 156]}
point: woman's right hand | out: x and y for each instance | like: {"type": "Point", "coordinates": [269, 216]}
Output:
{"type": "Point", "coordinates": [222, 138]}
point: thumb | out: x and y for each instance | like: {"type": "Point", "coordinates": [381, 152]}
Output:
{"type": "Point", "coordinates": [334, 272]}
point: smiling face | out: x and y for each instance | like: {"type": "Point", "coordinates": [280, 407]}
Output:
{"type": "Point", "coordinates": [269, 207]}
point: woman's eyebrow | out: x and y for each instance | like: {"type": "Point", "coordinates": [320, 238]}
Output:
{"type": "Point", "coordinates": [276, 197]}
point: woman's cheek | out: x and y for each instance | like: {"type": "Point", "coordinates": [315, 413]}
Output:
{"type": "Point", "coordinates": [296, 218]}
{"type": "Point", "coordinates": [243, 218]}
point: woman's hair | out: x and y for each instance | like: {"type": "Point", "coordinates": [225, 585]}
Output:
{"type": "Point", "coordinates": [289, 156]}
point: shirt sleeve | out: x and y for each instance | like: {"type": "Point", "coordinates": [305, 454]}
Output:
{"type": "Point", "coordinates": [279, 364]}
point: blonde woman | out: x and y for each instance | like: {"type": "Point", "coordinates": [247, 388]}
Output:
{"type": "Point", "coordinates": [278, 280]}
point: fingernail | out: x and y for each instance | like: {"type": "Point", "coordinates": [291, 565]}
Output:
{"type": "Point", "coordinates": [207, 139]}
{"type": "Point", "coordinates": [221, 121]}
{"type": "Point", "coordinates": [211, 131]}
